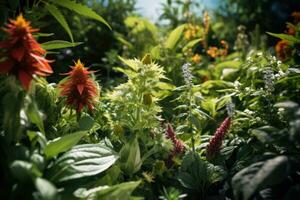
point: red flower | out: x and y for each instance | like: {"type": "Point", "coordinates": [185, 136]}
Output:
{"type": "Point", "coordinates": [79, 89]}
{"type": "Point", "coordinates": [215, 143]}
{"type": "Point", "coordinates": [178, 145]}
{"type": "Point", "coordinates": [283, 50]}
{"type": "Point", "coordinates": [23, 56]}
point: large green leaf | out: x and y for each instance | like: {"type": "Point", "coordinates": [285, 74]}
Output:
{"type": "Point", "coordinates": [81, 9]}
{"type": "Point", "coordinates": [60, 18]}
{"type": "Point", "coordinates": [174, 37]}
{"type": "Point", "coordinates": [121, 191]}
{"type": "Point", "coordinates": [62, 144]}
{"type": "Point", "coordinates": [287, 37]}
{"type": "Point", "coordinates": [260, 175]}
{"type": "Point", "coordinates": [59, 44]}
{"type": "Point", "coordinates": [82, 161]}
{"type": "Point", "coordinates": [197, 174]}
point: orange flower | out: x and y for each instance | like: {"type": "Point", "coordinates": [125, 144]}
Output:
{"type": "Point", "coordinates": [224, 50]}
{"type": "Point", "coordinates": [79, 89]}
{"type": "Point", "coordinates": [283, 51]}
{"type": "Point", "coordinates": [196, 58]}
{"type": "Point", "coordinates": [213, 52]}
{"type": "Point", "coordinates": [296, 16]}
{"type": "Point", "coordinates": [23, 56]}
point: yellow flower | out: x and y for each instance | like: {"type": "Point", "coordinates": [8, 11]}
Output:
{"type": "Point", "coordinates": [213, 52]}
{"type": "Point", "coordinates": [196, 58]}
{"type": "Point", "coordinates": [191, 31]}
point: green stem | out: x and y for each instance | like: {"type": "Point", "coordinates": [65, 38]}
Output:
{"type": "Point", "coordinates": [190, 115]}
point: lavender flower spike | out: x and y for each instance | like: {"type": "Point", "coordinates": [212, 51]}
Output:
{"type": "Point", "coordinates": [187, 75]}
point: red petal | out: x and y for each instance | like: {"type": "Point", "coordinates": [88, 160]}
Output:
{"type": "Point", "coordinates": [25, 79]}
{"type": "Point", "coordinates": [6, 66]}
{"type": "Point", "coordinates": [80, 88]}
{"type": "Point", "coordinates": [45, 67]}
{"type": "Point", "coordinates": [18, 53]}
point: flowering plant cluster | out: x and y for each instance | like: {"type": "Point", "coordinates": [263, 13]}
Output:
{"type": "Point", "coordinates": [183, 113]}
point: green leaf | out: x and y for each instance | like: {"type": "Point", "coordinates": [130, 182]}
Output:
{"type": "Point", "coordinates": [60, 18]}
{"type": "Point", "coordinates": [82, 161]}
{"type": "Point", "coordinates": [59, 44]}
{"type": "Point", "coordinates": [86, 123]}
{"type": "Point", "coordinates": [121, 191]}
{"type": "Point", "coordinates": [121, 39]}
{"type": "Point", "coordinates": [260, 175]}
{"type": "Point", "coordinates": [155, 52]}
{"type": "Point", "coordinates": [62, 144]}
{"type": "Point", "coordinates": [81, 10]}
{"type": "Point", "coordinates": [191, 44]}
{"type": "Point", "coordinates": [193, 172]}
{"type": "Point", "coordinates": [24, 171]}
{"type": "Point", "coordinates": [130, 63]}
{"type": "Point", "coordinates": [130, 157]}
{"type": "Point", "coordinates": [287, 37]}
{"type": "Point", "coordinates": [34, 116]}
{"type": "Point", "coordinates": [42, 34]}
{"type": "Point", "coordinates": [47, 191]}
{"type": "Point", "coordinates": [165, 86]}
{"type": "Point", "coordinates": [174, 37]}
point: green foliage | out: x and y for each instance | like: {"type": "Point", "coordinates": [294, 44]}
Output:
{"type": "Point", "coordinates": [82, 161]}
{"type": "Point", "coordinates": [62, 144]}
{"type": "Point", "coordinates": [260, 175]}
{"type": "Point", "coordinates": [147, 135]}
{"type": "Point", "coordinates": [119, 191]}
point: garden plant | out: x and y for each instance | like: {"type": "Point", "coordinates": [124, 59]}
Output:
{"type": "Point", "coordinates": [99, 103]}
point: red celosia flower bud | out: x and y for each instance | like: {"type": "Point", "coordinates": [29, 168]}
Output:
{"type": "Point", "coordinates": [283, 50]}
{"type": "Point", "coordinates": [79, 89]}
{"type": "Point", "coordinates": [215, 143]}
{"type": "Point", "coordinates": [23, 55]}
{"type": "Point", "coordinates": [178, 145]}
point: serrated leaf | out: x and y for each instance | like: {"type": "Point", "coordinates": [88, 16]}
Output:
{"type": "Point", "coordinates": [81, 10]}
{"type": "Point", "coordinates": [62, 144]}
{"type": "Point", "coordinates": [174, 37]}
{"type": "Point", "coordinates": [82, 161]}
{"type": "Point", "coordinates": [130, 63]}
{"type": "Point", "coordinates": [60, 18]}
{"type": "Point", "coordinates": [59, 44]}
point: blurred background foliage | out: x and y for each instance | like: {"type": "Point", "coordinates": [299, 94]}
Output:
{"type": "Point", "coordinates": [134, 35]}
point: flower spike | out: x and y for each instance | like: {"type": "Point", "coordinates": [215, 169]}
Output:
{"type": "Point", "coordinates": [23, 55]}
{"type": "Point", "coordinates": [79, 89]}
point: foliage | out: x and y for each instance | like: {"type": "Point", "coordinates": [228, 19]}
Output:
{"type": "Point", "coordinates": [186, 114]}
